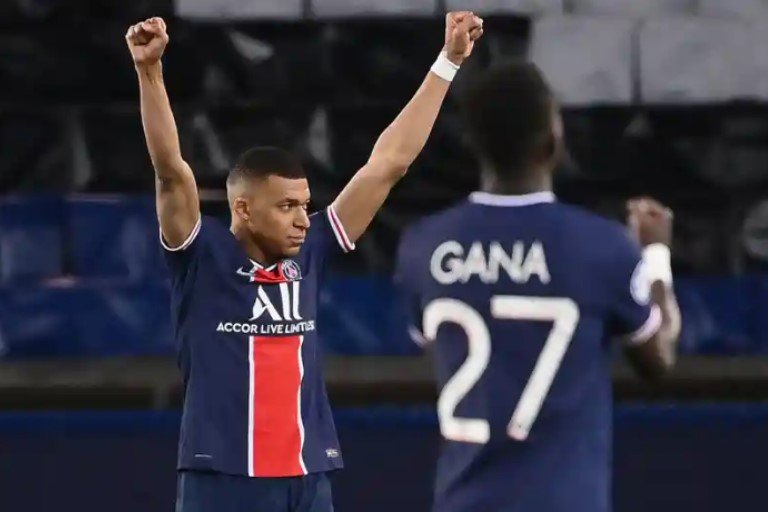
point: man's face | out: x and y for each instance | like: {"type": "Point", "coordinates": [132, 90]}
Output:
{"type": "Point", "coordinates": [277, 214]}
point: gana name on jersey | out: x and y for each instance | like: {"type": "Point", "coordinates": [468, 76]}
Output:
{"type": "Point", "coordinates": [451, 263]}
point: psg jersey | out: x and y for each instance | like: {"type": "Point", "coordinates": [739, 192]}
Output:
{"type": "Point", "coordinates": [254, 399]}
{"type": "Point", "coordinates": [520, 298]}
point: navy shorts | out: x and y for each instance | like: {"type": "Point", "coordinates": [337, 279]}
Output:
{"type": "Point", "coordinates": [216, 492]}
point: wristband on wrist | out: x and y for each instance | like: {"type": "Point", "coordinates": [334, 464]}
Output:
{"type": "Point", "coordinates": [658, 262]}
{"type": "Point", "coordinates": [444, 68]}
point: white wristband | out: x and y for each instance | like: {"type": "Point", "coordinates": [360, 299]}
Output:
{"type": "Point", "coordinates": [444, 68]}
{"type": "Point", "coordinates": [658, 263]}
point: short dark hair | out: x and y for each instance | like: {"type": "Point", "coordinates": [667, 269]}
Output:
{"type": "Point", "coordinates": [507, 112]}
{"type": "Point", "coordinates": [261, 162]}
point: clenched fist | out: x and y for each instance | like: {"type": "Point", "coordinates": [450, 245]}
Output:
{"type": "Point", "coordinates": [462, 29]}
{"type": "Point", "coordinates": [147, 41]}
{"type": "Point", "coordinates": [650, 221]}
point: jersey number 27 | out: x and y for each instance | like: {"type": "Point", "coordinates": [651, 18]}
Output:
{"type": "Point", "coordinates": [563, 312]}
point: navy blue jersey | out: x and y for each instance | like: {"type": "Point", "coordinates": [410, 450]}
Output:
{"type": "Point", "coordinates": [254, 398]}
{"type": "Point", "coordinates": [520, 297]}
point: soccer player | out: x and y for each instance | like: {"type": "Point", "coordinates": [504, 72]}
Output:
{"type": "Point", "coordinates": [520, 298]}
{"type": "Point", "coordinates": [257, 432]}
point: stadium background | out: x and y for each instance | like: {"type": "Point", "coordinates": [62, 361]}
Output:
{"type": "Point", "coordinates": [662, 97]}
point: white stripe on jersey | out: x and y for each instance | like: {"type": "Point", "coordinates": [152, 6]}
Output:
{"type": "Point", "coordinates": [648, 329]}
{"type": "Point", "coordinates": [251, 379]}
{"type": "Point", "coordinates": [298, 415]}
{"type": "Point", "coordinates": [338, 231]}
{"type": "Point", "coordinates": [187, 242]}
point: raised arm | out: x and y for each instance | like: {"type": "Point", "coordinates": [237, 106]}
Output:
{"type": "Point", "coordinates": [178, 205]}
{"type": "Point", "coordinates": [402, 141]}
{"type": "Point", "coordinates": [652, 224]}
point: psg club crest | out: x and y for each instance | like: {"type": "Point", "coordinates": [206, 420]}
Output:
{"type": "Point", "coordinates": [291, 270]}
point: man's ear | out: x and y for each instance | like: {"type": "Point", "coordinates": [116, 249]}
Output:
{"type": "Point", "coordinates": [242, 209]}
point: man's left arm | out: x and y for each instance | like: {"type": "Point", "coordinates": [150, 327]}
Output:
{"type": "Point", "coordinates": [402, 141]}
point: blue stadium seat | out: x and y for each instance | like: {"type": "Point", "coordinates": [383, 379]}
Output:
{"type": "Point", "coordinates": [698, 329]}
{"type": "Point", "coordinates": [717, 313]}
{"type": "Point", "coordinates": [721, 315]}
{"type": "Point", "coordinates": [30, 239]}
{"type": "Point", "coordinates": [35, 321]}
{"type": "Point", "coordinates": [85, 320]}
{"type": "Point", "coordinates": [358, 317]}
{"type": "Point", "coordinates": [759, 323]}
{"type": "Point", "coordinates": [114, 237]}
{"type": "Point", "coordinates": [121, 320]}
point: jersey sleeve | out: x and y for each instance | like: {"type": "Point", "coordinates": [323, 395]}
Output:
{"type": "Point", "coordinates": [180, 259]}
{"type": "Point", "coordinates": [406, 285]}
{"type": "Point", "coordinates": [327, 233]}
{"type": "Point", "coordinates": [632, 316]}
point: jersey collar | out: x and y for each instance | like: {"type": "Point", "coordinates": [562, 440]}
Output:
{"type": "Point", "coordinates": [489, 199]}
{"type": "Point", "coordinates": [259, 266]}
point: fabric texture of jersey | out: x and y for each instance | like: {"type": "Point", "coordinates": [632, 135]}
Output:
{"type": "Point", "coordinates": [254, 399]}
{"type": "Point", "coordinates": [521, 297]}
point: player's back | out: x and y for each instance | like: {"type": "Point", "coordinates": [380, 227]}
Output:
{"type": "Point", "coordinates": [520, 296]}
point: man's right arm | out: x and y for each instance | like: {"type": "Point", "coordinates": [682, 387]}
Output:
{"type": "Point", "coordinates": [178, 204]}
{"type": "Point", "coordinates": [651, 223]}
{"type": "Point", "coordinates": [658, 354]}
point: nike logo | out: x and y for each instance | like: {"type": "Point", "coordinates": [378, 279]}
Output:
{"type": "Point", "coordinates": [249, 273]}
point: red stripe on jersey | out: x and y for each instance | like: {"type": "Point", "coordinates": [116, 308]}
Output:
{"type": "Point", "coordinates": [276, 428]}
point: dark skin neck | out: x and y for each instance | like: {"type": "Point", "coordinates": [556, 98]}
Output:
{"type": "Point", "coordinates": [535, 180]}
{"type": "Point", "coordinates": [250, 247]}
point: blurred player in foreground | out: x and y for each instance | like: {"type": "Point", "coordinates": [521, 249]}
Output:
{"type": "Point", "coordinates": [521, 297]}
{"type": "Point", "coordinates": [257, 432]}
